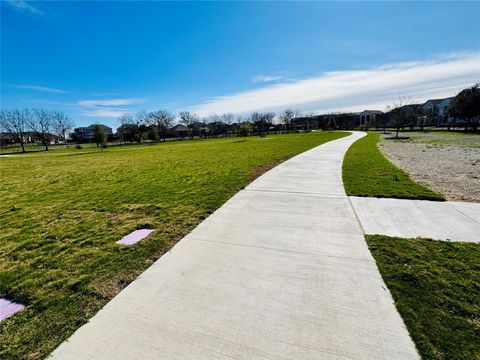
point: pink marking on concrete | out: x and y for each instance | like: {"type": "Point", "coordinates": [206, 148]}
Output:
{"type": "Point", "coordinates": [135, 237]}
{"type": "Point", "coordinates": [8, 308]}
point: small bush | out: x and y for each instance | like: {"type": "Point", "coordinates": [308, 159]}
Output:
{"type": "Point", "coordinates": [78, 146]}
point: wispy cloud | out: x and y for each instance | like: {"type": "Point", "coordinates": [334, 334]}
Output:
{"type": "Point", "coordinates": [40, 88]}
{"type": "Point", "coordinates": [104, 113]}
{"type": "Point", "coordinates": [108, 108]}
{"type": "Point", "coordinates": [354, 90]}
{"type": "Point", "coordinates": [110, 102]}
{"type": "Point", "coordinates": [22, 5]}
{"type": "Point", "coordinates": [265, 78]}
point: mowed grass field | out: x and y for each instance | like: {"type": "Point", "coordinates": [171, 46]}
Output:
{"type": "Point", "coordinates": [366, 172]}
{"type": "Point", "coordinates": [61, 213]}
{"type": "Point", "coordinates": [436, 287]}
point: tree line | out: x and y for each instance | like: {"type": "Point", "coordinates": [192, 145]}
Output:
{"type": "Point", "coordinates": [43, 126]}
{"type": "Point", "coordinates": [157, 125]}
{"type": "Point", "coordinates": [466, 105]}
{"type": "Point", "coordinates": [403, 114]}
{"type": "Point", "coordinates": [39, 123]}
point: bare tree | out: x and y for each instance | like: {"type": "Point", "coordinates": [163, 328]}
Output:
{"type": "Point", "coordinates": [401, 113]}
{"type": "Point", "coordinates": [127, 129]}
{"type": "Point", "coordinates": [245, 129]}
{"type": "Point", "coordinates": [212, 122]}
{"type": "Point", "coordinates": [213, 118]}
{"type": "Point", "coordinates": [466, 105]}
{"type": "Point", "coordinates": [141, 120]}
{"type": "Point", "coordinates": [100, 135]}
{"type": "Point", "coordinates": [62, 124]}
{"type": "Point", "coordinates": [213, 128]}
{"type": "Point", "coordinates": [189, 119]}
{"type": "Point", "coordinates": [287, 116]}
{"type": "Point", "coordinates": [162, 120]}
{"type": "Point", "coordinates": [227, 119]}
{"type": "Point", "coordinates": [256, 119]}
{"type": "Point", "coordinates": [125, 119]}
{"type": "Point", "coordinates": [40, 123]}
{"type": "Point", "coordinates": [235, 126]}
{"type": "Point", "coordinates": [268, 119]}
{"type": "Point", "coordinates": [262, 121]}
{"type": "Point", "coordinates": [14, 122]}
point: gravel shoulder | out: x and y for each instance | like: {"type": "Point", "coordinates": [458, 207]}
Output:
{"type": "Point", "coordinates": [449, 164]}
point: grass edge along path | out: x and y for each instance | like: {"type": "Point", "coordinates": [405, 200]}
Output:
{"type": "Point", "coordinates": [367, 172]}
{"type": "Point", "coordinates": [436, 288]}
{"type": "Point", "coordinates": [62, 213]}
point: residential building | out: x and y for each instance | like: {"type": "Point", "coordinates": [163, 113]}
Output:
{"type": "Point", "coordinates": [436, 110]}
{"type": "Point", "coordinates": [180, 130]}
{"type": "Point", "coordinates": [431, 106]}
{"type": "Point", "coordinates": [87, 133]}
{"type": "Point", "coordinates": [443, 105]}
{"type": "Point", "coordinates": [370, 117]}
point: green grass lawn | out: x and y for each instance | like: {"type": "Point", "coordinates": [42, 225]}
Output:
{"type": "Point", "coordinates": [38, 148]}
{"type": "Point", "coordinates": [61, 213]}
{"type": "Point", "coordinates": [366, 172]}
{"type": "Point", "coordinates": [436, 287]}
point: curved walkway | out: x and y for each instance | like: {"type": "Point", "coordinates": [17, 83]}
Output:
{"type": "Point", "coordinates": [281, 271]}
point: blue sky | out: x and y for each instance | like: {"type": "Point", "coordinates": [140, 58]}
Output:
{"type": "Point", "coordinates": [97, 60]}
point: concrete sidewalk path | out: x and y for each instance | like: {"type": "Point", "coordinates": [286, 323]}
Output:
{"type": "Point", "coordinates": [449, 220]}
{"type": "Point", "coordinates": [281, 271]}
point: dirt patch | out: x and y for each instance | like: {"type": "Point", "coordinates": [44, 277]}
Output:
{"type": "Point", "coordinates": [447, 165]}
{"type": "Point", "coordinates": [260, 170]}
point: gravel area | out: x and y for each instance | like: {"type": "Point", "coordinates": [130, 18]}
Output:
{"type": "Point", "coordinates": [448, 164]}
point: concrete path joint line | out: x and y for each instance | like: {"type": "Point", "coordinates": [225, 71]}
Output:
{"type": "Point", "coordinates": [285, 251]}
{"type": "Point", "coordinates": [356, 215]}
{"type": "Point", "coordinates": [297, 192]}
{"type": "Point", "coordinates": [466, 215]}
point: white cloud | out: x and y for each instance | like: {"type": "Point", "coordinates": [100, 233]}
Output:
{"type": "Point", "coordinates": [355, 90]}
{"type": "Point", "coordinates": [104, 113]}
{"type": "Point", "coordinates": [107, 108]}
{"type": "Point", "coordinates": [25, 6]}
{"type": "Point", "coordinates": [40, 88]}
{"type": "Point", "coordinates": [265, 78]}
{"type": "Point", "coordinates": [110, 102]}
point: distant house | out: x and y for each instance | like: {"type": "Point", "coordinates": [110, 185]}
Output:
{"type": "Point", "coordinates": [29, 137]}
{"type": "Point", "coordinates": [87, 133]}
{"type": "Point", "coordinates": [342, 121]}
{"type": "Point", "coordinates": [180, 130]}
{"type": "Point", "coordinates": [199, 129]}
{"type": "Point", "coordinates": [431, 106]}
{"type": "Point", "coordinates": [437, 109]}
{"type": "Point", "coordinates": [443, 105]}
{"type": "Point", "coordinates": [368, 117]}
{"type": "Point", "coordinates": [7, 139]}
{"type": "Point", "coordinates": [305, 122]}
